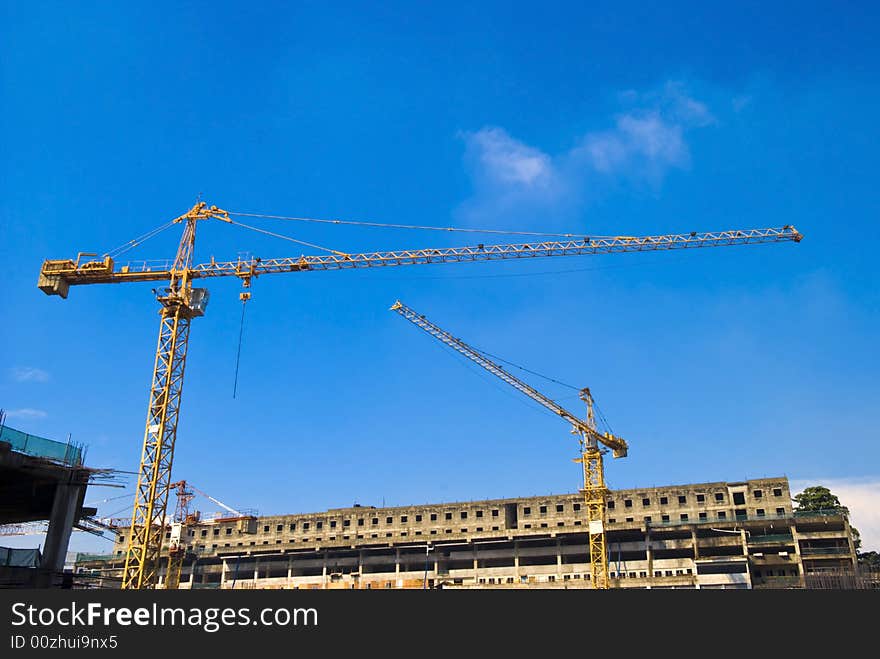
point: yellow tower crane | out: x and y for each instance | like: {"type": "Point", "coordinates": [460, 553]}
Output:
{"type": "Point", "coordinates": [181, 302]}
{"type": "Point", "coordinates": [595, 491]}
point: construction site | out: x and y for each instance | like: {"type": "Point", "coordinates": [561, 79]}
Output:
{"type": "Point", "coordinates": [707, 535]}
{"type": "Point", "coordinates": [459, 321]}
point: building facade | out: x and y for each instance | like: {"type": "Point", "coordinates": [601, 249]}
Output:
{"type": "Point", "coordinates": [707, 535]}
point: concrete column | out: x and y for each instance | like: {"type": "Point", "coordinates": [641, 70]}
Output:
{"type": "Point", "coordinates": [223, 569]}
{"type": "Point", "coordinates": [289, 569]}
{"type": "Point", "coordinates": [324, 572]}
{"type": "Point", "coordinates": [558, 559]}
{"type": "Point", "coordinates": [64, 507]}
{"type": "Point", "coordinates": [694, 541]}
{"type": "Point", "coordinates": [427, 563]}
{"type": "Point", "coordinates": [192, 574]}
{"type": "Point", "coordinates": [516, 561]}
{"type": "Point", "coordinates": [745, 550]}
{"type": "Point", "coordinates": [649, 554]}
{"type": "Point", "coordinates": [797, 552]}
{"type": "Point", "coordinates": [476, 565]}
{"type": "Point", "coordinates": [397, 562]}
{"type": "Point", "coordinates": [852, 548]}
{"type": "Point", "coordinates": [256, 570]}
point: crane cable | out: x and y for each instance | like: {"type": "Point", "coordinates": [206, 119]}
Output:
{"type": "Point", "coordinates": [150, 234]}
{"type": "Point", "coordinates": [124, 247]}
{"type": "Point", "coordinates": [475, 369]}
{"type": "Point", "coordinates": [386, 225]}
{"type": "Point", "coordinates": [291, 239]}
{"type": "Point", "coordinates": [121, 496]}
{"type": "Point", "coordinates": [599, 413]}
{"type": "Point", "coordinates": [523, 368]}
{"type": "Point", "coordinates": [602, 418]}
{"type": "Point", "coordinates": [238, 352]}
{"type": "Point", "coordinates": [546, 377]}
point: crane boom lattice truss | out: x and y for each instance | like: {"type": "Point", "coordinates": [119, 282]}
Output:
{"type": "Point", "coordinates": [181, 303]}
{"type": "Point", "coordinates": [595, 491]}
{"type": "Point", "coordinates": [57, 276]}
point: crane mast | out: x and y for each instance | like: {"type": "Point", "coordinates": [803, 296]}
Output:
{"type": "Point", "coordinates": [176, 546]}
{"type": "Point", "coordinates": [181, 302]}
{"type": "Point", "coordinates": [595, 491]}
{"type": "Point", "coordinates": [595, 497]}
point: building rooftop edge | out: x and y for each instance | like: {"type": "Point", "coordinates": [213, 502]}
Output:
{"type": "Point", "coordinates": [501, 501]}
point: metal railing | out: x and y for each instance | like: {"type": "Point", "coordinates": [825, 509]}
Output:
{"type": "Point", "coordinates": [716, 521]}
{"type": "Point", "coordinates": [824, 512]}
{"type": "Point", "coordinates": [770, 539]}
{"type": "Point", "coordinates": [89, 558]}
{"type": "Point", "coordinates": [808, 551]}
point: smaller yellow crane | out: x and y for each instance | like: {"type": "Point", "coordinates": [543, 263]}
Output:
{"type": "Point", "coordinates": [177, 549]}
{"type": "Point", "coordinates": [184, 517]}
{"type": "Point", "coordinates": [595, 491]}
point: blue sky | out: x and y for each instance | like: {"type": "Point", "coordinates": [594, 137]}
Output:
{"type": "Point", "coordinates": [599, 119]}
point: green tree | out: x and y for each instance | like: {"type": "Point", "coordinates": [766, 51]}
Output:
{"type": "Point", "coordinates": [819, 497]}
{"type": "Point", "coordinates": [870, 559]}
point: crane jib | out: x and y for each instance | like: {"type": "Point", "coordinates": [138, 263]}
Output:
{"type": "Point", "coordinates": [618, 445]}
{"type": "Point", "coordinates": [56, 276]}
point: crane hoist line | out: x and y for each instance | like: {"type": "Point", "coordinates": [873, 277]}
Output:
{"type": "Point", "coordinates": [180, 302]}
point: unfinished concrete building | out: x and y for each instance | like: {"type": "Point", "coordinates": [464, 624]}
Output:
{"type": "Point", "coordinates": [707, 535]}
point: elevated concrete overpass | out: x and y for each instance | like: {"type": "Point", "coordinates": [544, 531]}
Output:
{"type": "Point", "coordinates": [41, 479]}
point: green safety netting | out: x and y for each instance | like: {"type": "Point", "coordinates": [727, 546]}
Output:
{"type": "Point", "coordinates": [69, 454]}
{"type": "Point", "coordinates": [82, 557]}
{"type": "Point", "coordinates": [10, 557]}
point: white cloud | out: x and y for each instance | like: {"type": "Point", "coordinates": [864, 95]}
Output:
{"type": "Point", "coordinates": [507, 161]}
{"type": "Point", "coordinates": [643, 136]}
{"type": "Point", "coordinates": [860, 495]}
{"type": "Point", "coordinates": [653, 137]}
{"type": "Point", "coordinates": [26, 413]}
{"type": "Point", "coordinates": [644, 143]}
{"type": "Point", "coordinates": [685, 108]}
{"type": "Point", "coordinates": [509, 175]}
{"type": "Point", "coordinates": [29, 374]}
